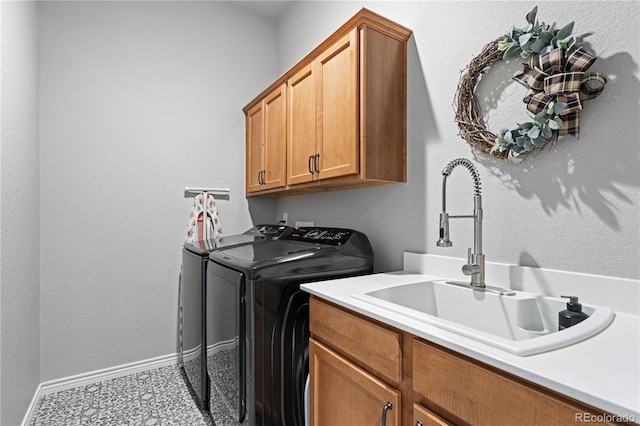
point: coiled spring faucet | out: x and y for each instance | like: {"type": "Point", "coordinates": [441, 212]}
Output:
{"type": "Point", "coordinates": [475, 260]}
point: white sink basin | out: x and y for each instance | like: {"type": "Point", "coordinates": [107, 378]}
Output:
{"type": "Point", "coordinates": [514, 321]}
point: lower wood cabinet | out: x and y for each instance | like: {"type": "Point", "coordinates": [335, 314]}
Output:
{"type": "Point", "coordinates": [341, 393]}
{"type": "Point", "coordinates": [372, 346]}
{"type": "Point", "coordinates": [473, 393]}
{"type": "Point", "coordinates": [358, 365]}
{"type": "Point", "coordinates": [424, 417]}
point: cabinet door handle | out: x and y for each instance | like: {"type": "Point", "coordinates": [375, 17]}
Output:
{"type": "Point", "coordinates": [309, 164]}
{"type": "Point", "coordinates": [418, 423]}
{"type": "Point", "coordinates": [388, 406]}
{"type": "Point", "coordinates": [261, 177]}
{"type": "Point", "coordinates": [316, 159]}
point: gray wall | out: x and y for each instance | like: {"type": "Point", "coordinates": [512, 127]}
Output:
{"type": "Point", "coordinates": [574, 207]}
{"type": "Point", "coordinates": [134, 97]}
{"type": "Point", "coordinates": [19, 211]}
{"type": "Point", "coordinates": [137, 101]}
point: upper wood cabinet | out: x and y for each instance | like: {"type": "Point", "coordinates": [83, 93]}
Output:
{"type": "Point", "coordinates": [301, 115]}
{"type": "Point", "coordinates": [266, 142]}
{"type": "Point", "coordinates": [345, 111]}
{"type": "Point", "coordinates": [255, 147]}
{"type": "Point", "coordinates": [322, 115]}
{"type": "Point", "coordinates": [338, 153]}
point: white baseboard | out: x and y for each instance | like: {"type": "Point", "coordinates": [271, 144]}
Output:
{"type": "Point", "coordinates": [84, 379]}
{"type": "Point", "coordinates": [221, 346]}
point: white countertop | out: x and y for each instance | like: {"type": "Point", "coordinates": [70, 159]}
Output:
{"type": "Point", "coordinates": [603, 371]}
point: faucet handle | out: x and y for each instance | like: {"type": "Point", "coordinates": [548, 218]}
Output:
{"type": "Point", "coordinates": [470, 268]}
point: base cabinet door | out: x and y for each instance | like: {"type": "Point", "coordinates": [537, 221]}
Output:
{"type": "Point", "coordinates": [341, 393]}
{"type": "Point", "coordinates": [424, 417]}
{"type": "Point", "coordinates": [474, 394]}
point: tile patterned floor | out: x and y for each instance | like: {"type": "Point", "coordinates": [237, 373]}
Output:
{"type": "Point", "coordinates": [157, 397]}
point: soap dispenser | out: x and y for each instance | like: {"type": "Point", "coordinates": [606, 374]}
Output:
{"type": "Point", "coordinates": [572, 315]}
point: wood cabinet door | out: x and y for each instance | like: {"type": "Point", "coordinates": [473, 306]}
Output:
{"type": "Point", "coordinates": [301, 125]}
{"type": "Point", "coordinates": [255, 146]}
{"type": "Point", "coordinates": [377, 347]}
{"type": "Point", "coordinates": [275, 139]}
{"type": "Point", "coordinates": [337, 85]}
{"type": "Point", "coordinates": [343, 394]}
{"type": "Point", "coordinates": [479, 395]}
{"type": "Point", "coordinates": [425, 417]}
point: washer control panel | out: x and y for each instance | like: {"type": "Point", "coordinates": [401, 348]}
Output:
{"type": "Point", "coordinates": [330, 236]}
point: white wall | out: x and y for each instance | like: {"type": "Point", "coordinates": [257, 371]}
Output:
{"type": "Point", "coordinates": [574, 207]}
{"type": "Point", "coordinates": [137, 101]}
{"type": "Point", "coordinates": [19, 210]}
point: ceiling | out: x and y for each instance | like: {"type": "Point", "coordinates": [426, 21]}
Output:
{"type": "Point", "coordinates": [271, 9]}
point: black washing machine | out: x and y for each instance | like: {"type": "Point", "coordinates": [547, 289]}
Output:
{"type": "Point", "coordinates": [194, 297]}
{"type": "Point", "coordinates": [259, 365]}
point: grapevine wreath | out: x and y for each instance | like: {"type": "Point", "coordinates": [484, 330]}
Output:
{"type": "Point", "coordinates": [557, 81]}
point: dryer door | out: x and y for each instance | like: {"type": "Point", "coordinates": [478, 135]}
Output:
{"type": "Point", "coordinates": [193, 356]}
{"type": "Point", "coordinates": [228, 344]}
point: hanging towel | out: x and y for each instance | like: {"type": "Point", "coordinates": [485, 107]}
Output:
{"type": "Point", "coordinates": [204, 215]}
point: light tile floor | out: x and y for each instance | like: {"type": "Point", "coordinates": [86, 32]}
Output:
{"type": "Point", "coordinates": [156, 397]}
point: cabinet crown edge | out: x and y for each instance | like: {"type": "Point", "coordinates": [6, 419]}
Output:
{"type": "Point", "coordinates": [364, 18]}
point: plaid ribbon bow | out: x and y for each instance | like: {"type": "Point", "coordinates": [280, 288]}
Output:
{"type": "Point", "coordinates": [561, 79]}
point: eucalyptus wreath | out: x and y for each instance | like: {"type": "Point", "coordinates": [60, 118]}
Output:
{"type": "Point", "coordinates": [554, 73]}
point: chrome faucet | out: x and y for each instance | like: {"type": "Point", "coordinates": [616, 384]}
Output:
{"type": "Point", "coordinates": [475, 260]}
